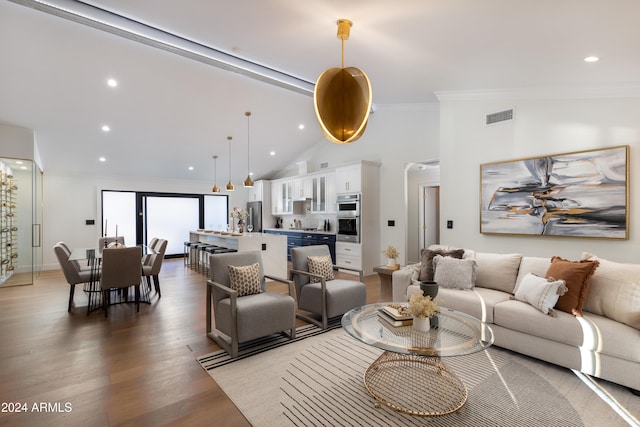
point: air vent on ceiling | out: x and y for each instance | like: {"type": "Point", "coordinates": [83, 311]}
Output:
{"type": "Point", "coordinates": [324, 165]}
{"type": "Point", "coordinates": [498, 117]}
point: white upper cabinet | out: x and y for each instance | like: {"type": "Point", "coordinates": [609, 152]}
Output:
{"type": "Point", "coordinates": [349, 179]}
{"type": "Point", "coordinates": [256, 193]}
{"type": "Point", "coordinates": [281, 196]}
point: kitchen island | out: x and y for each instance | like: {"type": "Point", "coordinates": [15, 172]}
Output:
{"type": "Point", "coordinates": [272, 246]}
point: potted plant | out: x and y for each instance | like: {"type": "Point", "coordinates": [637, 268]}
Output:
{"type": "Point", "coordinates": [241, 215]}
{"type": "Point", "coordinates": [422, 308]}
{"type": "Point", "coordinates": [392, 254]}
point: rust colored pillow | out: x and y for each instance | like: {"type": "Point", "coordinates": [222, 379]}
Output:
{"type": "Point", "coordinates": [426, 262]}
{"type": "Point", "coordinates": [577, 275]}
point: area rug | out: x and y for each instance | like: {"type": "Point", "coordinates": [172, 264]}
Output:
{"type": "Point", "coordinates": [221, 357]}
{"type": "Point", "coordinates": [318, 382]}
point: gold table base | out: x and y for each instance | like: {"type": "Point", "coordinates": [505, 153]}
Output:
{"type": "Point", "coordinates": [414, 385]}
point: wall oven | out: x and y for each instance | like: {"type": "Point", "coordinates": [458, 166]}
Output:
{"type": "Point", "coordinates": [348, 218]}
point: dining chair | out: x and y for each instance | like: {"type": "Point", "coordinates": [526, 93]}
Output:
{"type": "Point", "coordinates": [152, 268]}
{"type": "Point", "coordinates": [243, 308]}
{"type": "Point", "coordinates": [318, 291]}
{"type": "Point", "coordinates": [73, 274]}
{"type": "Point", "coordinates": [121, 269]}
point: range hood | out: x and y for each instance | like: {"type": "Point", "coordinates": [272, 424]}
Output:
{"type": "Point", "coordinates": [302, 206]}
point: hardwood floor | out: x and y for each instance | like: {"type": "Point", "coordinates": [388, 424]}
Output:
{"type": "Point", "coordinates": [137, 369]}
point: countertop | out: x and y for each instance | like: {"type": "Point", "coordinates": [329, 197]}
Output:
{"type": "Point", "coordinates": [297, 230]}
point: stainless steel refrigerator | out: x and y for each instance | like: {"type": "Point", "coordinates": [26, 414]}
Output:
{"type": "Point", "coordinates": [254, 209]}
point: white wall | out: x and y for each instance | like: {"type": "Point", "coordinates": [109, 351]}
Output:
{"type": "Point", "coordinates": [70, 200]}
{"type": "Point", "coordinates": [396, 136]}
{"type": "Point", "coordinates": [541, 127]}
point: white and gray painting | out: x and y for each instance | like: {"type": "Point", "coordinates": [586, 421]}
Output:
{"type": "Point", "coordinates": [578, 194]}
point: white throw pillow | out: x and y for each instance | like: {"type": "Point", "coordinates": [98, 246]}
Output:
{"type": "Point", "coordinates": [454, 273]}
{"type": "Point", "coordinates": [541, 293]}
{"type": "Point", "coordinates": [614, 291]}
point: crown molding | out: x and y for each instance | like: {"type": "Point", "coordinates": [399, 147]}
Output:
{"type": "Point", "coordinates": [568, 92]}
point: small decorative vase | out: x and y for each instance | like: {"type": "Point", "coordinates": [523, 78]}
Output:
{"type": "Point", "coordinates": [391, 262]}
{"type": "Point", "coordinates": [422, 324]}
{"type": "Point", "coordinates": [429, 288]}
{"type": "Point", "coordinates": [241, 225]}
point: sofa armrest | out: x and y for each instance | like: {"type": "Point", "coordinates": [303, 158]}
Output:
{"type": "Point", "coordinates": [401, 279]}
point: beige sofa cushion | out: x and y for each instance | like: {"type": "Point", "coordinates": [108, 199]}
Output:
{"type": "Point", "coordinates": [614, 291]}
{"type": "Point", "coordinates": [531, 264]}
{"type": "Point", "coordinates": [478, 302]}
{"type": "Point", "coordinates": [496, 271]}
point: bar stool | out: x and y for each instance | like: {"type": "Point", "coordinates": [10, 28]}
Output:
{"type": "Point", "coordinates": [193, 254]}
{"type": "Point", "coordinates": [200, 261]}
{"type": "Point", "coordinates": [187, 252]}
{"type": "Point", "coordinates": [207, 252]}
{"type": "Point", "coordinates": [217, 250]}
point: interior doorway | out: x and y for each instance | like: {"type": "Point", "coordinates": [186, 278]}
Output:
{"type": "Point", "coordinates": [423, 207]}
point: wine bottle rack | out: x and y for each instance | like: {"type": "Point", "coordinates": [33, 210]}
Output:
{"type": "Point", "coordinates": [8, 225]}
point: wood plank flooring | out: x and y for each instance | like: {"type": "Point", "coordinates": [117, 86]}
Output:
{"type": "Point", "coordinates": [132, 369]}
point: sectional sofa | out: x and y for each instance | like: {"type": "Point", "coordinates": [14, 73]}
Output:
{"type": "Point", "coordinates": [594, 327]}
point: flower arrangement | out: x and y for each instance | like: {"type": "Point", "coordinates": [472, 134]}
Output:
{"type": "Point", "coordinates": [422, 306]}
{"type": "Point", "coordinates": [239, 213]}
{"type": "Point", "coordinates": [391, 252]}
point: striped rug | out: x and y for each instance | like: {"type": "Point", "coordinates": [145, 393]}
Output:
{"type": "Point", "coordinates": [220, 358]}
{"type": "Point", "coordinates": [318, 382]}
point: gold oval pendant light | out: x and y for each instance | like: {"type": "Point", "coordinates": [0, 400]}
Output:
{"type": "Point", "coordinates": [342, 98]}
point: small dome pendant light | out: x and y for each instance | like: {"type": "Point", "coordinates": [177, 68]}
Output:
{"type": "Point", "coordinates": [215, 188]}
{"type": "Point", "coordinates": [342, 98]}
{"type": "Point", "coordinates": [230, 186]}
{"type": "Point", "coordinates": [248, 183]}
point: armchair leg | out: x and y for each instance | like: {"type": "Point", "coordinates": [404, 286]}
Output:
{"type": "Point", "coordinates": [156, 281]}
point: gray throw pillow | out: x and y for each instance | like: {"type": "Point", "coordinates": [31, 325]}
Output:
{"type": "Point", "coordinates": [426, 262]}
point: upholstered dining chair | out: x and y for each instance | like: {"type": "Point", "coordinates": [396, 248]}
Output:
{"type": "Point", "coordinates": [243, 308]}
{"type": "Point", "coordinates": [72, 271]}
{"type": "Point", "coordinates": [121, 269]}
{"type": "Point", "coordinates": [151, 269]}
{"type": "Point", "coordinates": [317, 290]}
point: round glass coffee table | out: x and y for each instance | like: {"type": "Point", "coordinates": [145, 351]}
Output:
{"type": "Point", "coordinates": [410, 376]}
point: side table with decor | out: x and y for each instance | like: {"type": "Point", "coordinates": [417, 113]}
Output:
{"type": "Point", "coordinates": [386, 290]}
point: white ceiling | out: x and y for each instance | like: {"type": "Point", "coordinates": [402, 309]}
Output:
{"type": "Point", "coordinates": [170, 112]}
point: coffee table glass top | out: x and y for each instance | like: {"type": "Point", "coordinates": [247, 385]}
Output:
{"type": "Point", "coordinates": [452, 333]}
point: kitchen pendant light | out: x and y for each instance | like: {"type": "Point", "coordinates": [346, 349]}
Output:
{"type": "Point", "coordinates": [215, 188]}
{"type": "Point", "coordinates": [342, 98]}
{"type": "Point", "coordinates": [230, 186]}
{"type": "Point", "coordinates": [248, 182]}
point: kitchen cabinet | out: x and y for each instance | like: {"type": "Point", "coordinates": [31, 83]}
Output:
{"type": "Point", "coordinates": [301, 188]}
{"type": "Point", "coordinates": [310, 239]}
{"type": "Point", "coordinates": [256, 193]}
{"type": "Point", "coordinates": [282, 196]}
{"type": "Point", "coordinates": [349, 179]}
{"type": "Point", "coordinates": [349, 255]}
{"type": "Point", "coordinates": [319, 194]}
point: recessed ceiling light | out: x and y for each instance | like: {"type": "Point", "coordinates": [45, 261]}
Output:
{"type": "Point", "coordinates": [591, 59]}
{"type": "Point", "coordinates": [273, 153]}
{"type": "Point", "coordinates": [106, 128]}
{"type": "Point", "coordinates": [24, 168]}
{"type": "Point", "coordinates": [18, 162]}
{"type": "Point", "coordinates": [251, 173]}
{"type": "Point", "coordinates": [112, 82]}
{"type": "Point", "coordinates": [190, 168]}
{"type": "Point", "coordinates": [301, 126]}
{"type": "Point", "coordinates": [103, 159]}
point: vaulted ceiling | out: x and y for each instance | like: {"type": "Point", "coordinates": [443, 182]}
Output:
{"type": "Point", "coordinates": [173, 111]}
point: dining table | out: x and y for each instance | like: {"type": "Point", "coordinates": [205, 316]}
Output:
{"type": "Point", "coordinates": [93, 258]}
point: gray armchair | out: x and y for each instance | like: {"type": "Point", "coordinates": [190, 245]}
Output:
{"type": "Point", "coordinates": [121, 269]}
{"type": "Point", "coordinates": [239, 319]}
{"type": "Point", "coordinates": [327, 298]}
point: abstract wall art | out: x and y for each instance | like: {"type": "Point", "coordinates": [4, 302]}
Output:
{"type": "Point", "coordinates": [578, 194]}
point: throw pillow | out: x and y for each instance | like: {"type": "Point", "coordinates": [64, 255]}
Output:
{"type": "Point", "coordinates": [577, 275]}
{"type": "Point", "coordinates": [321, 265]}
{"type": "Point", "coordinates": [497, 271]}
{"type": "Point", "coordinates": [454, 273]}
{"type": "Point", "coordinates": [245, 279]}
{"type": "Point", "coordinates": [614, 291]}
{"type": "Point", "coordinates": [541, 293]}
{"type": "Point", "coordinates": [426, 261]}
